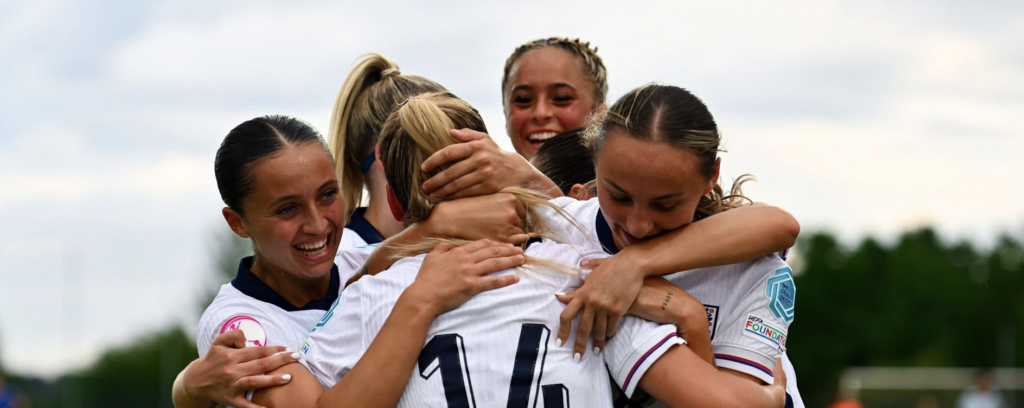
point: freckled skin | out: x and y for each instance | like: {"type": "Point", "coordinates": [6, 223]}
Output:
{"type": "Point", "coordinates": [646, 188]}
{"type": "Point", "coordinates": [315, 211]}
{"type": "Point", "coordinates": [548, 91]}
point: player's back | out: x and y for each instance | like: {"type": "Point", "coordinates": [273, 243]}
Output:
{"type": "Point", "coordinates": [495, 350]}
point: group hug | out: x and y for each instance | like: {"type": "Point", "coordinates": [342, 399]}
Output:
{"type": "Point", "coordinates": [406, 260]}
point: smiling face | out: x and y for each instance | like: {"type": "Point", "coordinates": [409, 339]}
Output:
{"type": "Point", "coordinates": [548, 94]}
{"type": "Point", "coordinates": [647, 188]}
{"type": "Point", "coordinates": [295, 213]}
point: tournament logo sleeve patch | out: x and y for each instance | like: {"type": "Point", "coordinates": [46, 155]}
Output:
{"type": "Point", "coordinates": [757, 328]}
{"type": "Point", "coordinates": [781, 293]}
{"type": "Point", "coordinates": [255, 334]}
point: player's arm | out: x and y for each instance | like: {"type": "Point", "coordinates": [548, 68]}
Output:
{"type": "Point", "coordinates": [448, 277]}
{"type": "Point", "coordinates": [680, 379]}
{"type": "Point", "coordinates": [302, 390]}
{"type": "Point", "coordinates": [496, 217]}
{"type": "Point", "coordinates": [733, 236]}
{"type": "Point", "coordinates": [481, 167]}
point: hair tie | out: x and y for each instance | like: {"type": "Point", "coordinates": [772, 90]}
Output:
{"type": "Point", "coordinates": [390, 72]}
{"type": "Point", "coordinates": [368, 162]}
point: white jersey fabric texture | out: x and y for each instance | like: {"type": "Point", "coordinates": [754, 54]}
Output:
{"type": "Point", "coordinates": [358, 240]}
{"type": "Point", "coordinates": [265, 317]}
{"type": "Point", "coordinates": [749, 304]}
{"type": "Point", "coordinates": [497, 348]}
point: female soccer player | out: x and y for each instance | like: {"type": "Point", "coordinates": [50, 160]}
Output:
{"type": "Point", "coordinates": [657, 172]}
{"type": "Point", "coordinates": [370, 92]}
{"type": "Point", "coordinates": [469, 350]}
{"type": "Point", "coordinates": [278, 183]}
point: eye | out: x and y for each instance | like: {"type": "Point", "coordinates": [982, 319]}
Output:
{"type": "Point", "coordinates": [664, 208]}
{"type": "Point", "coordinates": [619, 199]}
{"type": "Point", "coordinates": [330, 195]}
{"type": "Point", "coordinates": [288, 210]}
{"type": "Point", "coordinates": [564, 98]}
{"type": "Point", "coordinates": [521, 100]}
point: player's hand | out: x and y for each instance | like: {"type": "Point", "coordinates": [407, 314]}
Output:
{"type": "Point", "coordinates": [493, 216]}
{"type": "Point", "coordinates": [601, 302]}
{"type": "Point", "coordinates": [484, 168]}
{"type": "Point", "coordinates": [451, 274]}
{"type": "Point", "coordinates": [229, 369]}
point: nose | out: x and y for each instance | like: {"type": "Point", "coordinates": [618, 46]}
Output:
{"type": "Point", "coordinates": [639, 224]}
{"type": "Point", "coordinates": [315, 222]}
{"type": "Point", "coordinates": [542, 110]}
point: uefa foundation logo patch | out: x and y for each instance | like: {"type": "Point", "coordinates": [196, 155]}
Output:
{"type": "Point", "coordinates": [781, 293]}
{"type": "Point", "coordinates": [255, 335]}
{"type": "Point", "coordinates": [758, 329]}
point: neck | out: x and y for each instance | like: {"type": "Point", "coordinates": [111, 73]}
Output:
{"type": "Point", "coordinates": [295, 290]}
{"type": "Point", "coordinates": [378, 212]}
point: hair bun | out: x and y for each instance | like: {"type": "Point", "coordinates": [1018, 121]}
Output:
{"type": "Point", "coordinates": [390, 72]}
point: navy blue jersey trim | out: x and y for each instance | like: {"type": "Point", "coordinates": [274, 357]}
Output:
{"type": "Point", "coordinates": [604, 234]}
{"type": "Point", "coordinates": [363, 228]}
{"type": "Point", "coordinates": [252, 286]}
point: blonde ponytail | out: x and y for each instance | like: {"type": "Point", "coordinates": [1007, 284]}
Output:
{"type": "Point", "coordinates": [371, 91]}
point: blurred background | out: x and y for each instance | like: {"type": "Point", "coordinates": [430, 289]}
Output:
{"type": "Point", "coordinates": [891, 129]}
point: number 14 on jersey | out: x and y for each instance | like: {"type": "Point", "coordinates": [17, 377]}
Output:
{"type": "Point", "coordinates": [447, 353]}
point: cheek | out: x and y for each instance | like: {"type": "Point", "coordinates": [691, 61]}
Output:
{"type": "Point", "coordinates": [573, 116]}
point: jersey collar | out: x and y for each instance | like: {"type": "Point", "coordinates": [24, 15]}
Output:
{"type": "Point", "coordinates": [249, 284]}
{"type": "Point", "coordinates": [363, 228]}
{"type": "Point", "coordinates": [604, 234]}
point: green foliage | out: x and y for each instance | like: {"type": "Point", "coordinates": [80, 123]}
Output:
{"type": "Point", "coordinates": [139, 374]}
{"type": "Point", "coordinates": [918, 303]}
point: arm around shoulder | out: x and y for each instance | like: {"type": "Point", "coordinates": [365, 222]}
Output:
{"type": "Point", "coordinates": [680, 379]}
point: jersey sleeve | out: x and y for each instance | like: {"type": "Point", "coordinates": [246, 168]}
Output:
{"type": "Point", "coordinates": [635, 347]}
{"type": "Point", "coordinates": [260, 327]}
{"type": "Point", "coordinates": [336, 342]}
{"type": "Point", "coordinates": [752, 336]}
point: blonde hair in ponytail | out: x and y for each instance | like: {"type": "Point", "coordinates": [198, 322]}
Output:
{"type": "Point", "coordinates": [373, 88]}
{"type": "Point", "coordinates": [418, 129]}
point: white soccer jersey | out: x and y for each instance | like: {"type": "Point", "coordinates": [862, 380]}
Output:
{"type": "Point", "coordinates": [358, 240]}
{"type": "Point", "coordinates": [749, 304]}
{"type": "Point", "coordinates": [266, 318]}
{"type": "Point", "coordinates": [496, 349]}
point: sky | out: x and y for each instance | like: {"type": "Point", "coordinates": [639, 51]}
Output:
{"type": "Point", "coordinates": [862, 118]}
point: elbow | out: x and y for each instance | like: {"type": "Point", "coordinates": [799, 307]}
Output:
{"type": "Point", "coordinates": [788, 228]}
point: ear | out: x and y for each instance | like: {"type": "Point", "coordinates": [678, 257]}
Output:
{"type": "Point", "coordinates": [714, 176]}
{"type": "Point", "coordinates": [396, 208]}
{"type": "Point", "coordinates": [236, 223]}
{"type": "Point", "coordinates": [376, 151]}
{"type": "Point", "coordinates": [574, 192]}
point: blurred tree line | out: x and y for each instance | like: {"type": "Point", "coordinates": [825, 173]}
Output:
{"type": "Point", "coordinates": [918, 302]}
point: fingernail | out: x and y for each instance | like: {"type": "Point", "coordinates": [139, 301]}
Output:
{"type": "Point", "coordinates": [559, 293]}
{"type": "Point", "coordinates": [295, 356]}
{"type": "Point", "coordinates": [286, 377]}
{"type": "Point", "coordinates": [287, 348]}
{"type": "Point", "coordinates": [576, 357]}
{"type": "Point", "coordinates": [597, 351]}
{"type": "Point", "coordinates": [558, 342]}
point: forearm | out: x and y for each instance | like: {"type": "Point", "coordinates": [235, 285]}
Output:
{"type": "Point", "coordinates": [380, 376]}
{"type": "Point", "coordinates": [734, 236]}
{"type": "Point", "coordinates": [678, 379]}
{"type": "Point", "coordinates": [181, 398]}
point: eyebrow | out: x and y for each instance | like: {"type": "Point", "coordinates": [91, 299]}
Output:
{"type": "Point", "coordinates": [294, 196]}
{"type": "Point", "coordinates": [664, 197]}
{"type": "Point", "coordinates": [555, 85]}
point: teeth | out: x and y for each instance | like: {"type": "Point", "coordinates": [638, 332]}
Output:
{"type": "Point", "coordinates": [317, 247]}
{"type": "Point", "coordinates": [540, 137]}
